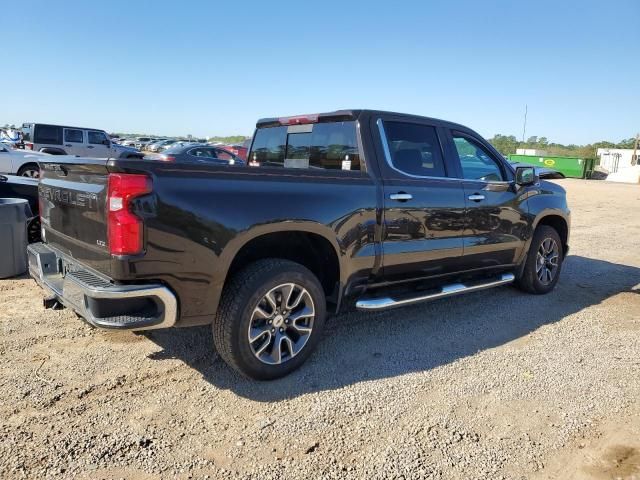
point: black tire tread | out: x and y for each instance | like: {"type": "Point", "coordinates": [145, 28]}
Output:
{"type": "Point", "coordinates": [527, 281]}
{"type": "Point", "coordinates": [25, 167]}
{"type": "Point", "coordinates": [232, 302]}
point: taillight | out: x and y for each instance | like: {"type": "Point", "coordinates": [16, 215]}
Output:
{"type": "Point", "coordinates": [167, 158]}
{"type": "Point", "coordinates": [124, 228]}
{"type": "Point", "coordinates": [29, 146]}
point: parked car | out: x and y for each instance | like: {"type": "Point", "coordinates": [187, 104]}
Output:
{"type": "Point", "coordinates": [356, 207]}
{"type": "Point", "coordinates": [143, 142]}
{"type": "Point", "coordinates": [196, 152]}
{"type": "Point", "coordinates": [19, 162]}
{"type": "Point", "coordinates": [62, 140]}
{"type": "Point", "coordinates": [151, 143]}
{"type": "Point", "coordinates": [238, 150]}
{"type": "Point", "coordinates": [26, 188]}
{"type": "Point", "coordinates": [162, 144]}
{"type": "Point", "coordinates": [179, 143]}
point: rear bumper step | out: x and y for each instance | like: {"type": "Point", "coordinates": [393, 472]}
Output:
{"type": "Point", "coordinates": [100, 302]}
{"type": "Point", "coordinates": [383, 303]}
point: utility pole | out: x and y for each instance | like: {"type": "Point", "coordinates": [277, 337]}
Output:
{"type": "Point", "coordinates": [634, 157]}
{"type": "Point", "coordinates": [524, 126]}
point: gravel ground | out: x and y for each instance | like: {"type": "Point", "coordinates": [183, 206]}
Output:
{"type": "Point", "coordinates": [493, 385]}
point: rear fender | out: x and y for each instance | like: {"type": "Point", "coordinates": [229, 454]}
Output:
{"type": "Point", "coordinates": [234, 246]}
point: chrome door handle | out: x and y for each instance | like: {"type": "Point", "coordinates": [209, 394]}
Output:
{"type": "Point", "coordinates": [476, 197]}
{"type": "Point", "coordinates": [401, 197]}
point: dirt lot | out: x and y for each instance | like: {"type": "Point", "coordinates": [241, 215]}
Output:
{"type": "Point", "coordinates": [494, 385]}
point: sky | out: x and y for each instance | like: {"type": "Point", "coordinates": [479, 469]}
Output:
{"type": "Point", "coordinates": [213, 68]}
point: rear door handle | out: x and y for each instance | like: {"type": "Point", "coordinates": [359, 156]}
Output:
{"type": "Point", "coordinates": [401, 196]}
{"type": "Point", "coordinates": [476, 197]}
{"type": "Point", "coordinates": [67, 144]}
{"type": "Point", "coordinates": [89, 146]}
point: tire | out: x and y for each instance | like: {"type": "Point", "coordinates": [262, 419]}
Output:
{"type": "Point", "coordinates": [30, 170]}
{"type": "Point", "coordinates": [33, 230]}
{"type": "Point", "coordinates": [244, 303]}
{"type": "Point", "coordinates": [530, 280]}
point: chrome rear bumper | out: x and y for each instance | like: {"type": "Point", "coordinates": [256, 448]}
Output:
{"type": "Point", "coordinates": [99, 301]}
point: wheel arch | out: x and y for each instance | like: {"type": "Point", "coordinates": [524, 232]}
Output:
{"type": "Point", "coordinates": [559, 223]}
{"type": "Point", "coordinates": [556, 219]}
{"type": "Point", "coordinates": [53, 151]}
{"type": "Point", "coordinates": [304, 244]}
{"type": "Point", "coordinates": [26, 164]}
{"type": "Point", "coordinates": [309, 244]}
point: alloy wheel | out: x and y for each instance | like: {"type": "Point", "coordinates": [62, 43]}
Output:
{"type": "Point", "coordinates": [281, 324]}
{"type": "Point", "coordinates": [547, 260]}
{"type": "Point", "coordinates": [31, 173]}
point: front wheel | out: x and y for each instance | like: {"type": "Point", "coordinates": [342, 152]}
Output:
{"type": "Point", "coordinates": [270, 318]}
{"type": "Point", "coordinates": [543, 263]}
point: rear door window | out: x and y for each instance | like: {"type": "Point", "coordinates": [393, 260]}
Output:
{"type": "Point", "coordinates": [414, 149]}
{"type": "Point", "coordinates": [72, 135]}
{"type": "Point", "coordinates": [202, 153]}
{"type": "Point", "coordinates": [223, 154]}
{"type": "Point", "coordinates": [320, 146]}
{"type": "Point", "coordinates": [48, 134]}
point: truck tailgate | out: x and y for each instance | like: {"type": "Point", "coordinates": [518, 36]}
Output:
{"type": "Point", "coordinates": [73, 194]}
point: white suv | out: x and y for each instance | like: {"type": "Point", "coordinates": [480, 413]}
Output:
{"type": "Point", "coordinates": [83, 142]}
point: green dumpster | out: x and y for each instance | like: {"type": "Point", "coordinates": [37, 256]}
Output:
{"type": "Point", "coordinates": [569, 166]}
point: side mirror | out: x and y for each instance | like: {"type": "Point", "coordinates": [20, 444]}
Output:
{"type": "Point", "coordinates": [526, 176]}
{"type": "Point", "coordinates": [107, 142]}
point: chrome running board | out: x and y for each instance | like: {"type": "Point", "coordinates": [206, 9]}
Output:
{"type": "Point", "coordinates": [383, 303]}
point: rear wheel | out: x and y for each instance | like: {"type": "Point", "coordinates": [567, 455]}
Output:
{"type": "Point", "coordinates": [270, 318]}
{"type": "Point", "coordinates": [543, 263]}
{"type": "Point", "coordinates": [30, 170]}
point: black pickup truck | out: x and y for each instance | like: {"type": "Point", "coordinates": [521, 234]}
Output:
{"type": "Point", "coordinates": [354, 208]}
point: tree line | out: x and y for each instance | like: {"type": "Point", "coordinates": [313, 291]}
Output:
{"type": "Point", "coordinates": [507, 144]}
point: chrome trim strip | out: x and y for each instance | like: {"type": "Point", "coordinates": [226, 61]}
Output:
{"type": "Point", "coordinates": [384, 303]}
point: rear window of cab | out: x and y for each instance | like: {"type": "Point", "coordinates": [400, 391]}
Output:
{"type": "Point", "coordinates": [318, 146]}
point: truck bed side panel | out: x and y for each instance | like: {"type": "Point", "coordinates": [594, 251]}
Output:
{"type": "Point", "coordinates": [203, 215]}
